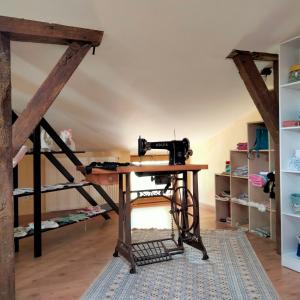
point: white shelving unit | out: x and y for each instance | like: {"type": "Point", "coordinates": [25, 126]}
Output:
{"type": "Point", "coordinates": [289, 109]}
{"type": "Point", "coordinates": [241, 213]}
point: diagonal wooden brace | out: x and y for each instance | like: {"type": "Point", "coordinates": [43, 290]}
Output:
{"type": "Point", "coordinates": [47, 93]}
{"type": "Point", "coordinates": [267, 103]}
{"type": "Point", "coordinates": [265, 100]}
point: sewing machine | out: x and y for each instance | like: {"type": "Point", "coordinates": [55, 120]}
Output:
{"type": "Point", "coordinates": [179, 150]}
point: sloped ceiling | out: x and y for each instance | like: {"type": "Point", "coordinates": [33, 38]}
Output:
{"type": "Point", "coordinates": [160, 66]}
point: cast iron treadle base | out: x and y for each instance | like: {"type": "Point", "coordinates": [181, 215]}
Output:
{"type": "Point", "coordinates": [150, 252]}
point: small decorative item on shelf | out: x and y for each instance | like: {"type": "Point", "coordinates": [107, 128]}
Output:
{"type": "Point", "coordinates": [294, 73]}
{"type": "Point", "coordinates": [47, 143]}
{"type": "Point", "coordinates": [66, 136]}
{"type": "Point", "coordinates": [294, 162]}
{"type": "Point", "coordinates": [223, 196]}
{"type": "Point", "coordinates": [295, 202]}
{"type": "Point", "coordinates": [242, 146]}
{"type": "Point", "coordinates": [298, 249]}
{"type": "Point", "coordinates": [227, 166]}
{"type": "Point", "coordinates": [261, 139]}
{"type": "Point", "coordinates": [270, 185]}
{"type": "Point", "coordinates": [261, 142]}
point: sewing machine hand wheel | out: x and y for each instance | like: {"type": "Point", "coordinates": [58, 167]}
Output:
{"type": "Point", "coordinates": [182, 209]}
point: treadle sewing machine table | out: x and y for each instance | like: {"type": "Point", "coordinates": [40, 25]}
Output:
{"type": "Point", "coordinates": [156, 250]}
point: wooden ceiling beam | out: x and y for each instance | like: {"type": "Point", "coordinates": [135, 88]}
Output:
{"type": "Point", "coordinates": [42, 32]}
{"type": "Point", "coordinates": [47, 93]}
{"type": "Point", "coordinates": [265, 101]}
{"type": "Point", "coordinates": [261, 56]}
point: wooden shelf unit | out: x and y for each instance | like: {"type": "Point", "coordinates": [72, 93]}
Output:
{"type": "Point", "coordinates": [242, 214]}
{"type": "Point", "coordinates": [289, 109]}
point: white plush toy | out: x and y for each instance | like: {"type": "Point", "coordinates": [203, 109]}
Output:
{"type": "Point", "coordinates": [47, 143]}
{"type": "Point", "coordinates": [66, 136]}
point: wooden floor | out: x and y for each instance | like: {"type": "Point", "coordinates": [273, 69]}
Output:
{"type": "Point", "coordinates": [73, 256]}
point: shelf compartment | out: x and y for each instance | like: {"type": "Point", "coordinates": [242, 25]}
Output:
{"type": "Point", "coordinates": [259, 219]}
{"type": "Point", "coordinates": [222, 183]}
{"type": "Point", "coordinates": [291, 229]}
{"type": "Point", "coordinates": [289, 111]}
{"type": "Point", "coordinates": [239, 214]}
{"type": "Point", "coordinates": [238, 186]}
{"type": "Point", "coordinates": [291, 261]}
{"type": "Point", "coordinates": [256, 194]}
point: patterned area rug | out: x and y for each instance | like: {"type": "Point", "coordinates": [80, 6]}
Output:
{"type": "Point", "coordinates": [232, 272]}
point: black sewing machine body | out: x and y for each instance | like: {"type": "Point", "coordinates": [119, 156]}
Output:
{"type": "Point", "coordinates": [179, 151]}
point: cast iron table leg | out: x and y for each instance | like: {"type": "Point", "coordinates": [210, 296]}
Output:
{"type": "Point", "coordinates": [121, 216]}
{"type": "Point", "coordinates": [196, 228]}
{"type": "Point", "coordinates": [124, 246]}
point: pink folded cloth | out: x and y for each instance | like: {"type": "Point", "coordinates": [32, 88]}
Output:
{"type": "Point", "coordinates": [257, 180]}
{"type": "Point", "coordinates": [242, 146]}
{"type": "Point", "coordinates": [290, 123]}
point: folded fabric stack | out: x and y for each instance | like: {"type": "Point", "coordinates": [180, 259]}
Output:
{"type": "Point", "coordinates": [242, 228]}
{"type": "Point", "coordinates": [241, 199]}
{"type": "Point", "coordinates": [223, 196]}
{"type": "Point", "coordinates": [262, 231]}
{"type": "Point", "coordinates": [92, 210]}
{"type": "Point", "coordinates": [294, 164]}
{"type": "Point", "coordinates": [21, 231]}
{"type": "Point", "coordinates": [295, 202]}
{"type": "Point", "coordinates": [70, 219]}
{"type": "Point", "coordinates": [260, 206]}
{"type": "Point", "coordinates": [20, 191]}
{"type": "Point", "coordinates": [242, 146]}
{"type": "Point", "coordinates": [241, 171]}
{"type": "Point", "coordinates": [290, 123]}
{"type": "Point", "coordinates": [258, 180]}
{"type": "Point", "coordinates": [78, 216]}
{"type": "Point", "coordinates": [46, 188]}
{"type": "Point", "coordinates": [45, 225]}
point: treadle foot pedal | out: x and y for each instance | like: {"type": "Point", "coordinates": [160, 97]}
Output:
{"type": "Point", "coordinates": [150, 252]}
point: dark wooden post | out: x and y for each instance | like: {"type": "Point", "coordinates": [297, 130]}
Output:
{"type": "Point", "coordinates": [7, 276]}
{"type": "Point", "coordinates": [37, 210]}
{"type": "Point", "coordinates": [16, 203]}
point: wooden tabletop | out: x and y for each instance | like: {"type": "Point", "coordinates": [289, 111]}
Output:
{"type": "Point", "coordinates": [153, 168]}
